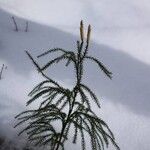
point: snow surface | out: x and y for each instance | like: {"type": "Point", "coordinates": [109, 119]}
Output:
{"type": "Point", "coordinates": [120, 40]}
{"type": "Point", "coordinates": [121, 24]}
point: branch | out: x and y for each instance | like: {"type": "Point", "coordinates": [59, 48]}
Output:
{"type": "Point", "coordinates": [39, 70]}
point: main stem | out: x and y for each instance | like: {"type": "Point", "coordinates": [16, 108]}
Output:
{"type": "Point", "coordinates": [66, 122]}
{"type": "Point", "coordinates": [75, 91]}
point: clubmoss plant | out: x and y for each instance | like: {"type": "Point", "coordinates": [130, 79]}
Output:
{"type": "Point", "coordinates": [39, 123]}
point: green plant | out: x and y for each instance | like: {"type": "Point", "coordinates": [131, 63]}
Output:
{"type": "Point", "coordinates": [55, 99]}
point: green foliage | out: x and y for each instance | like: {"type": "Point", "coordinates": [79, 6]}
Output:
{"type": "Point", "coordinates": [39, 123]}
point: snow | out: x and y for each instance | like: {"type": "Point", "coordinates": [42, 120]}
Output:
{"type": "Point", "coordinates": [120, 39]}
{"type": "Point", "coordinates": [123, 24]}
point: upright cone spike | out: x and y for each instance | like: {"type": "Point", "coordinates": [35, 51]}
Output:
{"type": "Point", "coordinates": [81, 31]}
{"type": "Point", "coordinates": [88, 34]}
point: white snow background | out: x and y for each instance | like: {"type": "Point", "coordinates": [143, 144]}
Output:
{"type": "Point", "coordinates": [120, 39]}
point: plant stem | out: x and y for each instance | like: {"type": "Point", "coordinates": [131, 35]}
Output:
{"type": "Point", "coordinates": [14, 21]}
{"type": "Point", "coordinates": [1, 71]}
{"type": "Point", "coordinates": [75, 91]}
{"type": "Point", "coordinates": [67, 120]}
